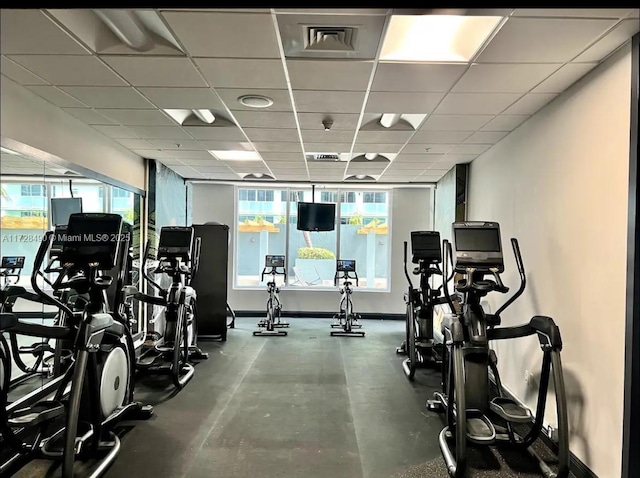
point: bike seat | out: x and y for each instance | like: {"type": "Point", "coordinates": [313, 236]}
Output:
{"type": "Point", "coordinates": [13, 291]}
{"type": "Point", "coordinates": [129, 291]}
{"type": "Point", "coordinates": [7, 321]}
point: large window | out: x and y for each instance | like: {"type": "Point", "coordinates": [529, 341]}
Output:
{"type": "Point", "coordinates": [361, 233]}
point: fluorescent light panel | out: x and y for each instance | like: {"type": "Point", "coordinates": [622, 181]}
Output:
{"type": "Point", "coordinates": [436, 38]}
{"type": "Point", "coordinates": [236, 155]}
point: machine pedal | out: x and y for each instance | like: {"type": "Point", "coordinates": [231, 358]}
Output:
{"type": "Point", "coordinates": [40, 412]}
{"type": "Point", "coordinates": [510, 411]}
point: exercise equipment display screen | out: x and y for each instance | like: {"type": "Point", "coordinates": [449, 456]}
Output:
{"type": "Point", "coordinates": [175, 241]}
{"type": "Point", "coordinates": [477, 244]}
{"type": "Point", "coordinates": [346, 265]}
{"type": "Point", "coordinates": [425, 246]}
{"type": "Point", "coordinates": [274, 261]}
{"type": "Point", "coordinates": [93, 238]}
{"type": "Point", "coordinates": [12, 262]}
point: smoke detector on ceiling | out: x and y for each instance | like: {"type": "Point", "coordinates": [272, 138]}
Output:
{"type": "Point", "coordinates": [255, 101]}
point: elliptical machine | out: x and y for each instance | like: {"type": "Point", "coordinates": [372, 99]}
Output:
{"type": "Point", "coordinates": [178, 258]}
{"type": "Point", "coordinates": [100, 372]}
{"type": "Point", "coordinates": [420, 346]}
{"type": "Point", "coordinates": [346, 319]}
{"type": "Point", "coordinates": [273, 321]}
{"type": "Point", "coordinates": [472, 413]}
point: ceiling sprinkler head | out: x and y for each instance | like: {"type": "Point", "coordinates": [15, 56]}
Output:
{"type": "Point", "coordinates": [327, 123]}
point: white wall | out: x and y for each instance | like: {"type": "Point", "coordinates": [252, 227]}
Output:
{"type": "Point", "coordinates": [411, 210]}
{"type": "Point", "coordinates": [559, 183]}
{"type": "Point", "coordinates": [28, 119]}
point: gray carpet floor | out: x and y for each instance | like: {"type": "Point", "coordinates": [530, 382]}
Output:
{"type": "Point", "coordinates": [305, 405]}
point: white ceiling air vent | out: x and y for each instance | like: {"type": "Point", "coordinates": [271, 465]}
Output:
{"type": "Point", "coordinates": [337, 38]}
{"type": "Point", "coordinates": [327, 157]}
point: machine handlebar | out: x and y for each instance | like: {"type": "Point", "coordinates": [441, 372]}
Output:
{"type": "Point", "coordinates": [274, 272]}
{"type": "Point", "coordinates": [346, 277]}
{"type": "Point", "coordinates": [448, 257]}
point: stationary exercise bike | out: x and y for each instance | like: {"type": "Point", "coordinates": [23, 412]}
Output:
{"type": "Point", "coordinates": [273, 320]}
{"type": "Point", "coordinates": [420, 346]}
{"type": "Point", "coordinates": [473, 413]}
{"type": "Point", "coordinates": [178, 258]}
{"type": "Point", "coordinates": [346, 319]}
{"type": "Point", "coordinates": [96, 391]}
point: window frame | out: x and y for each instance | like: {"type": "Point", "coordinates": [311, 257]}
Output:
{"type": "Point", "coordinates": [339, 191]}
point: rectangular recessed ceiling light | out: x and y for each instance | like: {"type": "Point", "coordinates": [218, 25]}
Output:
{"type": "Point", "coordinates": [236, 155]}
{"type": "Point", "coordinates": [7, 151]}
{"type": "Point", "coordinates": [444, 38]}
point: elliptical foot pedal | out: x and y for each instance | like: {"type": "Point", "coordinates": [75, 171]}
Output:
{"type": "Point", "coordinates": [510, 411]}
{"type": "Point", "coordinates": [270, 333]}
{"type": "Point", "coordinates": [480, 430]}
{"type": "Point", "coordinates": [197, 354]}
{"type": "Point", "coordinates": [40, 412]}
{"type": "Point", "coordinates": [343, 333]}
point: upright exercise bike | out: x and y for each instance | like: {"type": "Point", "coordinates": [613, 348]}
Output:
{"type": "Point", "coordinates": [473, 413]}
{"type": "Point", "coordinates": [420, 346]}
{"type": "Point", "coordinates": [178, 256]}
{"type": "Point", "coordinates": [346, 319]}
{"type": "Point", "coordinates": [269, 325]}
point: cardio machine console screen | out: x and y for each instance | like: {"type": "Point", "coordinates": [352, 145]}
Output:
{"type": "Point", "coordinates": [425, 246]}
{"type": "Point", "coordinates": [477, 245]}
{"type": "Point", "coordinates": [274, 261]}
{"type": "Point", "coordinates": [12, 262]}
{"type": "Point", "coordinates": [175, 241]}
{"type": "Point", "coordinates": [346, 265]}
{"type": "Point", "coordinates": [92, 238]}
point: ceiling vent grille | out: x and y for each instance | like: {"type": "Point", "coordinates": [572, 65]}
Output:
{"type": "Point", "coordinates": [340, 38]}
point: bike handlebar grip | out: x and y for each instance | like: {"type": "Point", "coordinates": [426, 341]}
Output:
{"type": "Point", "coordinates": [405, 252]}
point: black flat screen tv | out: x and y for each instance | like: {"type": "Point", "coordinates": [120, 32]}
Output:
{"type": "Point", "coordinates": [314, 216]}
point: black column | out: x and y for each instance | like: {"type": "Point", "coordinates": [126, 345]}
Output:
{"type": "Point", "coordinates": [631, 431]}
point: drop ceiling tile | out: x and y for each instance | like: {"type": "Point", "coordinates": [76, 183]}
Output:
{"type": "Point", "coordinates": [381, 148]}
{"type": "Point", "coordinates": [183, 98]}
{"type": "Point", "coordinates": [572, 12]}
{"type": "Point", "coordinates": [155, 154]}
{"type": "Point", "coordinates": [329, 75]}
{"type": "Point", "coordinates": [459, 158]}
{"type": "Point", "coordinates": [19, 74]}
{"type": "Point", "coordinates": [328, 147]}
{"type": "Point", "coordinates": [135, 143]}
{"type": "Point", "coordinates": [332, 136]}
{"type": "Point", "coordinates": [341, 121]}
{"type": "Point", "coordinates": [30, 32]}
{"type": "Point", "coordinates": [425, 158]}
{"type": "Point", "coordinates": [137, 117]}
{"type": "Point", "coordinates": [328, 101]}
{"type": "Point", "coordinates": [281, 99]}
{"type": "Point", "coordinates": [231, 35]}
{"type": "Point", "coordinates": [216, 133]}
{"type": "Point", "coordinates": [184, 144]}
{"type": "Point", "coordinates": [476, 103]}
{"type": "Point", "coordinates": [330, 11]}
{"type": "Point", "coordinates": [564, 78]}
{"type": "Point", "coordinates": [284, 166]}
{"type": "Point", "coordinates": [384, 136]}
{"type": "Point", "coordinates": [397, 77]}
{"type": "Point", "coordinates": [440, 137]}
{"type": "Point", "coordinates": [56, 96]}
{"type": "Point", "coordinates": [69, 70]}
{"type": "Point", "coordinates": [108, 97]}
{"type": "Point", "coordinates": [171, 161]}
{"type": "Point", "coordinates": [504, 123]}
{"type": "Point", "coordinates": [186, 171]}
{"type": "Point", "coordinates": [156, 71]}
{"type": "Point", "coordinates": [455, 122]}
{"type": "Point", "coordinates": [242, 73]}
{"type": "Point", "coordinates": [89, 116]}
{"type": "Point", "coordinates": [431, 148]}
{"type": "Point", "coordinates": [160, 132]}
{"type": "Point", "coordinates": [278, 147]}
{"type": "Point", "coordinates": [504, 77]}
{"type": "Point", "coordinates": [116, 132]}
{"type": "Point", "coordinates": [470, 149]}
{"type": "Point", "coordinates": [189, 157]}
{"type": "Point", "coordinates": [529, 104]}
{"type": "Point", "coordinates": [265, 119]}
{"type": "Point", "coordinates": [486, 137]}
{"type": "Point", "coordinates": [404, 168]}
{"type": "Point", "coordinates": [542, 40]}
{"type": "Point", "coordinates": [268, 134]}
{"type": "Point", "coordinates": [391, 102]}
{"type": "Point", "coordinates": [611, 41]}
{"type": "Point", "coordinates": [282, 157]}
